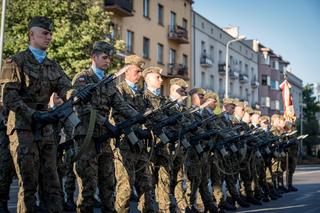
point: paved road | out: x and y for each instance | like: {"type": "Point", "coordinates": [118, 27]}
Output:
{"type": "Point", "coordinates": [306, 200]}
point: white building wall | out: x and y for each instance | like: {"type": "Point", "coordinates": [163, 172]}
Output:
{"type": "Point", "coordinates": [207, 32]}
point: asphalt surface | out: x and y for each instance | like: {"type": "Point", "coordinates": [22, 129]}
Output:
{"type": "Point", "coordinates": [306, 200]}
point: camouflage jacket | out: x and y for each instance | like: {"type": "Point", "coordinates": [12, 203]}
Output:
{"type": "Point", "coordinates": [28, 86]}
{"type": "Point", "coordinates": [103, 99]}
{"type": "Point", "coordinates": [136, 101]}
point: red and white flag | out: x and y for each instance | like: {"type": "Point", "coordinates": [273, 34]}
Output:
{"type": "Point", "coordinates": [285, 87]}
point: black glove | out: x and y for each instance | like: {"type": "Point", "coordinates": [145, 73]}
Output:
{"type": "Point", "coordinates": [85, 95]}
{"type": "Point", "coordinates": [140, 118]}
{"type": "Point", "coordinates": [115, 132]}
{"type": "Point", "coordinates": [143, 133]}
{"type": "Point", "coordinates": [44, 118]}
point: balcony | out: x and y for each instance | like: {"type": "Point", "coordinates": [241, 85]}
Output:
{"type": "Point", "coordinates": [243, 78]}
{"type": "Point", "coordinates": [178, 34]}
{"type": "Point", "coordinates": [254, 83]}
{"type": "Point", "coordinates": [206, 61]}
{"type": "Point", "coordinates": [222, 68]}
{"type": "Point", "coordinates": [233, 74]}
{"type": "Point", "coordinates": [119, 7]}
{"type": "Point", "coordinates": [176, 71]}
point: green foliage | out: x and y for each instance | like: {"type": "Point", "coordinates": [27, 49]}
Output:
{"type": "Point", "coordinates": [310, 122]}
{"type": "Point", "coordinates": [77, 24]}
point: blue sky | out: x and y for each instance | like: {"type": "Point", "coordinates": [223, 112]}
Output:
{"type": "Point", "coordinates": [290, 27]}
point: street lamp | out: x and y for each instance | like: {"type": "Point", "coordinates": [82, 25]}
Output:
{"type": "Point", "coordinates": [227, 63]}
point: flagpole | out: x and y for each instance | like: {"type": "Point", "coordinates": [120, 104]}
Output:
{"type": "Point", "coordinates": [3, 20]}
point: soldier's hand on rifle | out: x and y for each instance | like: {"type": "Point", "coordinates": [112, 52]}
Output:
{"type": "Point", "coordinates": [141, 119]}
{"type": "Point", "coordinates": [85, 95]}
{"type": "Point", "coordinates": [115, 132]}
{"type": "Point", "coordinates": [43, 118]}
{"type": "Point", "coordinates": [143, 133]}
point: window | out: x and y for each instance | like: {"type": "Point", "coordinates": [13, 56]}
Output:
{"type": "Point", "coordinates": [202, 25]}
{"type": "Point", "coordinates": [129, 43]}
{"type": "Point", "coordinates": [211, 30]}
{"type": "Point", "coordinates": [246, 69]}
{"type": "Point", "coordinates": [146, 46]}
{"type": "Point", "coordinates": [241, 92]}
{"type": "Point", "coordinates": [203, 79]}
{"type": "Point", "coordinates": [172, 21]}
{"type": "Point", "coordinates": [203, 46]}
{"type": "Point", "coordinates": [266, 60]}
{"type": "Point", "coordinates": [240, 66]}
{"type": "Point", "coordinates": [220, 57]}
{"type": "Point", "coordinates": [146, 8]}
{"type": "Point", "coordinates": [274, 85]}
{"type": "Point", "coordinates": [240, 48]}
{"type": "Point", "coordinates": [212, 53]}
{"type": "Point", "coordinates": [212, 82]}
{"type": "Point", "coordinates": [265, 80]}
{"type": "Point", "coordinates": [265, 101]}
{"type": "Point", "coordinates": [185, 23]}
{"type": "Point", "coordinates": [172, 56]}
{"type": "Point", "coordinates": [220, 84]}
{"type": "Point", "coordinates": [276, 65]}
{"type": "Point", "coordinates": [160, 14]}
{"type": "Point", "coordinates": [231, 88]}
{"type": "Point", "coordinates": [160, 53]}
{"type": "Point", "coordinates": [184, 60]}
{"type": "Point", "coordinates": [275, 105]}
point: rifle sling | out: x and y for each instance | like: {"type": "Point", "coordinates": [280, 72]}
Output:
{"type": "Point", "coordinates": [87, 139]}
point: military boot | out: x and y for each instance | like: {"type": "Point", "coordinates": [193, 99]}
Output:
{"type": "Point", "coordinates": [211, 209]}
{"type": "Point", "coordinates": [292, 189]}
{"type": "Point", "coordinates": [242, 203]}
{"type": "Point", "coordinates": [254, 201]}
{"type": "Point", "coordinates": [69, 206]}
{"type": "Point", "coordinates": [4, 206]}
{"type": "Point", "coordinates": [227, 206]}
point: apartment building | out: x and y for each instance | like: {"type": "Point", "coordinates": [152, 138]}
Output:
{"type": "Point", "coordinates": [209, 58]}
{"type": "Point", "coordinates": [271, 68]}
{"type": "Point", "coordinates": [157, 30]}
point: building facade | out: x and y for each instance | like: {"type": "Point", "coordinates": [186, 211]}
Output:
{"type": "Point", "coordinates": [157, 30]}
{"type": "Point", "coordinates": [271, 67]}
{"type": "Point", "coordinates": [209, 57]}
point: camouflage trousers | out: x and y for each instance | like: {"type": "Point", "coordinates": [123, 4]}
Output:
{"type": "Point", "coordinates": [260, 185]}
{"type": "Point", "coordinates": [178, 180]}
{"type": "Point", "coordinates": [293, 158]}
{"type": "Point", "coordinates": [217, 177]}
{"type": "Point", "coordinates": [65, 170]}
{"type": "Point", "coordinates": [231, 179]}
{"type": "Point", "coordinates": [132, 170]}
{"type": "Point", "coordinates": [6, 167]}
{"type": "Point", "coordinates": [35, 165]}
{"type": "Point", "coordinates": [94, 171]}
{"type": "Point", "coordinates": [270, 177]}
{"type": "Point", "coordinates": [70, 177]}
{"type": "Point", "coordinates": [198, 171]}
{"type": "Point", "coordinates": [247, 173]}
{"type": "Point", "coordinates": [162, 177]}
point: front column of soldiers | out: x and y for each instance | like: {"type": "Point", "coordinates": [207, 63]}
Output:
{"type": "Point", "coordinates": [129, 141]}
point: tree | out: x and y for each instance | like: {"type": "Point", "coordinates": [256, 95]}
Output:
{"type": "Point", "coordinates": [77, 24]}
{"type": "Point", "coordinates": [310, 122]}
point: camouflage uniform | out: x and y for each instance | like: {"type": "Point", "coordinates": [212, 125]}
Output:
{"type": "Point", "coordinates": [94, 169]}
{"type": "Point", "coordinates": [33, 161]}
{"type": "Point", "coordinates": [6, 164]}
{"type": "Point", "coordinates": [198, 170]}
{"type": "Point", "coordinates": [131, 163]}
{"type": "Point", "coordinates": [163, 159]}
{"type": "Point", "coordinates": [275, 173]}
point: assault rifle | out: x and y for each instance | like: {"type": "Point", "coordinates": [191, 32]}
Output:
{"type": "Point", "coordinates": [65, 111]}
{"type": "Point", "coordinates": [125, 126]}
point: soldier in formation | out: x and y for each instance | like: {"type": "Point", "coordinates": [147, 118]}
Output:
{"type": "Point", "coordinates": [128, 140]}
